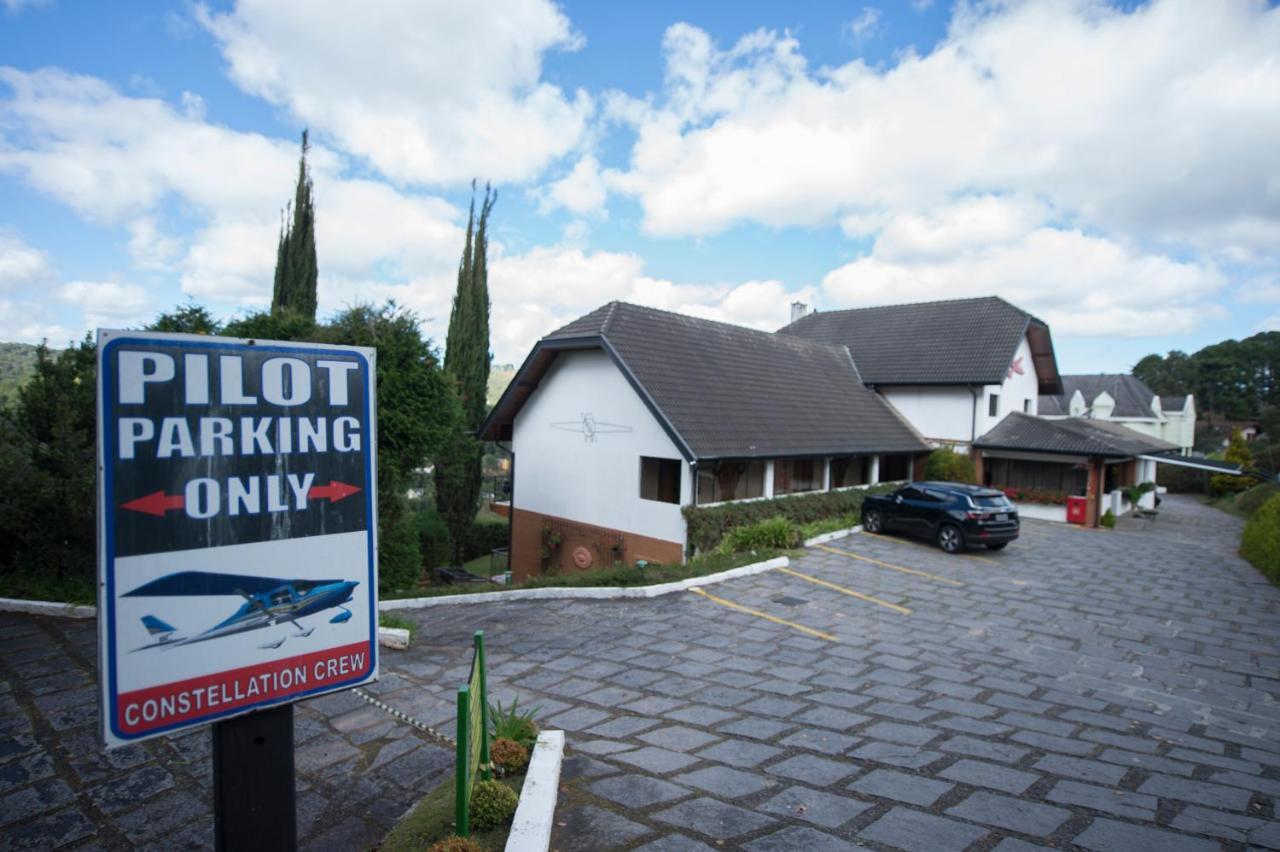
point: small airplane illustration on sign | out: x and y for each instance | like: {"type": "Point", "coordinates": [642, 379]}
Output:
{"type": "Point", "coordinates": [1015, 367]}
{"type": "Point", "coordinates": [268, 601]}
{"type": "Point", "coordinates": [589, 427]}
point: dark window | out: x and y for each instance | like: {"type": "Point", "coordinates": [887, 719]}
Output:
{"type": "Point", "coordinates": [937, 497]}
{"type": "Point", "coordinates": [911, 494]}
{"type": "Point", "coordinates": [660, 479]}
{"type": "Point", "coordinates": [849, 470]}
{"type": "Point", "coordinates": [993, 405]}
{"type": "Point", "coordinates": [723, 481]}
{"type": "Point", "coordinates": [1026, 406]}
{"type": "Point", "coordinates": [1063, 477]}
{"type": "Point", "coordinates": [793, 476]}
{"type": "Point", "coordinates": [895, 468]}
{"type": "Point", "coordinates": [988, 502]}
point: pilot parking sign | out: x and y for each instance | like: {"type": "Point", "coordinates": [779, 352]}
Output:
{"type": "Point", "coordinates": [237, 527]}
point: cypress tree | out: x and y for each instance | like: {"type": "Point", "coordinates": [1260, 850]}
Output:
{"type": "Point", "coordinates": [466, 359]}
{"type": "Point", "coordinates": [296, 268]}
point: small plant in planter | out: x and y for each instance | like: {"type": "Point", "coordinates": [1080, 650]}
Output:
{"type": "Point", "coordinates": [1108, 520]}
{"type": "Point", "coordinates": [512, 723]}
{"type": "Point", "coordinates": [456, 844]}
{"type": "Point", "coordinates": [493, 804]}
{"type": "Point", "coordinates": [508, 756]}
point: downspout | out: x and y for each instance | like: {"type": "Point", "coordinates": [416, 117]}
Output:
{"type": "Point", "coordinates": [511, 520]}
{"type": "Point", "coordinates": [973, 421]}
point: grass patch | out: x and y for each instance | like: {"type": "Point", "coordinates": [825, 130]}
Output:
{"type": "Point", "coordinates": [828, 525]}
{"type": "Point", "coordinates": [399, 622]}
{"type": "Point", "coordinates": [432, 819]}
{"type": "Point", "coordinates": [38, 587]}
{"type": "Point", "coordinates": [619, 576]}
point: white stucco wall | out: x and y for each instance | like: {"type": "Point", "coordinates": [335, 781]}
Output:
{"type": "Point", "coordinates": [945, 414]}
{"type": "Point", "coordinates": [940, 414]}
{"type": "Point", "coordinates": [558, 471]}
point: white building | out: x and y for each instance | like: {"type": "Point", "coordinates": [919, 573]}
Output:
{"type": "Point", "coordinates": [1127, 401]}
{"type": "Point", "coordinates": [954, 369]}
{"type": "Point", "coordinates": [625, 416]}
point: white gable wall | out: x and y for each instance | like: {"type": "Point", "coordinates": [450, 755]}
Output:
{"type": "Point", "coordinates": [559, 472]}
{"type": "Point", "coordinates": [944, 414]}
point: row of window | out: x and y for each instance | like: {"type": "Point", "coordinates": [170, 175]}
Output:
{"type": "Point", "coordinates": [993, 405]}
{"type": "Point", "coordinates": [743, 480]}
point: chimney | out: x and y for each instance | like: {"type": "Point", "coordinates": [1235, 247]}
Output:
{"type": "Point", "coordinates": [798, 310]}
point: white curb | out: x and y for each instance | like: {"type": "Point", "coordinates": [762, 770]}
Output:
{"type": "Point", "coordinates": [831, 536]}
{"type": "Point", "coordinates": [531, 828]}
{"type": "Point", "coordinates": [589, 592]}
{"type": "Point", "coordinates": [54, 608]}
{"type": "Point", "coordinates": [393, 637]}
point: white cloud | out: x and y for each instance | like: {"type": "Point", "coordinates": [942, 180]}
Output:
{"type": "Point", "coordinates": [549, 286]}
{"type": "Point", "coordinates": [428, 91]}
{"type": "Point", "coordinates": [582, 191]}
{"type": "Point", "coordinates": [865, 26]}
{"type": "Point", "coordinates": [14, 7]}
{"type": "Point", "coordinates": [21, 265]}
{"type": "Point", "coordinates": [1261, 289]}
{"type": "Point", "coordinates": [107, 302]}
{"type": "Point", "coordinates": [1162, 122]}
{"type": "Point", "coordinates": [1080, 283]}
{"type": "Point", "coordinates": [117, 160]}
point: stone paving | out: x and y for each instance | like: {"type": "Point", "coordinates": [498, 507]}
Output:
{"type": "Point", "coordinates": [1081, 689]}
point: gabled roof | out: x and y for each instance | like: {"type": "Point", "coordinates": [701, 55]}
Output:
{"type": "Point", "coordinates": [1074, 436]}
{"type": "Point", "coordinates": [1133, 398]}
{"type": "Point", "coordinates": [724, 391]}
{"type": "Point", "coordinates": [957, 342]}
{"type": "Point", "coordinates": [1173, 403]}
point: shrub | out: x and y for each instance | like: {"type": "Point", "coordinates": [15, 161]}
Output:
{"type": "Point", "coordinates": [456, 844]}
{"type": "Point", "coordinates": [433, 537]}
{"type": "Point", "coordinates": [1256, 497]}
{"type": "Point", "coordinates": [508, 756]}
{"type": "Point", "coordinates": [1260, 543]}
{"type": "Point", "coordinates": [1184, 480]}
{"type": "Point", "coordinates": [483, 536]}
{"type": "Point", "coordinates": [493, 804]}
{"type": "Point", "coordinates": [1035, 495]}
{"type": "Point", "coordinates": [1133, 493]}
{"type": "Point", "coordinates": [770, 534]}
{"type": "Point", "coordinates": [1108, 519]}
{"type": "Point", "coordinates": [946, 465]}
{"type": "Point", "coordinates": [814, 528]}
{"type": "Point", "coordinates": [1237, 453]}
{"type": "Point", "coordinates": [709, 524]}
{"type": "Point", "coordinates": [513, 724]}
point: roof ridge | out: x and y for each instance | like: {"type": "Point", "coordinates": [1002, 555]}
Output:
{"type": "Point", "coordinates": [786, 340]}
{"type": "Point", "coordinates": [991, 297]}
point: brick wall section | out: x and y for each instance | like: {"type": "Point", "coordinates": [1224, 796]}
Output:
{"type": "Point", "coordinates": [526, 542]}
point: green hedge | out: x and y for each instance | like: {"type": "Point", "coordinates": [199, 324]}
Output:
{"type": "Point", "coordinates": [708, 525]}
{"type": "Point", "coordinates": [947, 465]}
{"type": "Point", "coordinates": [1256, 497]}
{"type": "Point", "coordinates": [433, 538]}
{"type": "Point", "coordinates": [1260, 543]}
{"type": "Point", "coordinates": [771, 534]}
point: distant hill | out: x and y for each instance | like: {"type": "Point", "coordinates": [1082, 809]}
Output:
{"type": "Point", "coordinates": [17, 363]}
{"type": "Point", "coordinates": [499, 377]}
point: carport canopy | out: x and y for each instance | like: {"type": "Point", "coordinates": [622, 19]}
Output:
{"type": "Point", "coordinates": [1194, 462]}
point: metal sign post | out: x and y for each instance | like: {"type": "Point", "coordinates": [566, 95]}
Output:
{"type": "Point", "coordinates": [237, 550]}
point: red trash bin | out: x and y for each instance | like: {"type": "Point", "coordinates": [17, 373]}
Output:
{"type": "Point", "coordinates": [1077, 509]}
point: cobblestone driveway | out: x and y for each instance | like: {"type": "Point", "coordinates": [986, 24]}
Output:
{"type": "Point", "coordinates": [1088, 689]}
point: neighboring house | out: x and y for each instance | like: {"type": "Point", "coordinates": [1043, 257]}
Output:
{"type": "Point", "coordinates": [1072, 456]}
{"type": "Point", "coordinates": [619, 419]}
{"type": "Point", "coordinates": [954, 369]}
{"type": "Point", "coordinates": [1125, 400]}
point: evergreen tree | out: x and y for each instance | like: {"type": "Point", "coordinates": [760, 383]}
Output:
{"type": "Point", "coordinates": [296, 269]}
{"type": "Point", "coordinates": [466, 359]}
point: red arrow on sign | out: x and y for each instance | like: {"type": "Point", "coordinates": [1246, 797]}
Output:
{"type": "Point", "coordinates": [334, 491]}
{"type": "Point", "coordinates": [156, 503]}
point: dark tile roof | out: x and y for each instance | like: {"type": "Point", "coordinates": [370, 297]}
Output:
{"type": "Point", "coordinates": [1072, 436]}
{"type": "Point", "coordinates": [961, 341]}
{"type": "Point", "coordinates": [1133, 398]}
{"type": "Point", "coordinates": [726, 391]}
{"type": "Point", "coordinates": [1173, 403]}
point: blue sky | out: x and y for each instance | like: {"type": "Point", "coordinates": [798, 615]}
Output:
{"type": "Point", "coordinates": [1114, 169]}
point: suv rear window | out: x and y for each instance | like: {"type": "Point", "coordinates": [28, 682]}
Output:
{"type": "Point", "coordinates": [988, 501]}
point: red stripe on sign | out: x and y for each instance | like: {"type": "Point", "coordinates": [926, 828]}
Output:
{"type": "Point", "coordinates": [186, 700]}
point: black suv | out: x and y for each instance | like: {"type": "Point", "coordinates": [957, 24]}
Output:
{"type": "Point", "coordinates": [951, 513]}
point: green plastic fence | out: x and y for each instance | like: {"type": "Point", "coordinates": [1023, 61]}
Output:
{"type": "Point", "coordinates": [473, 738]}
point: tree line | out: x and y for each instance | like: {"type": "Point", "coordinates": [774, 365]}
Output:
{"type": "Point", "coordinates": [1235, 379]}
{"type": "Point", "coordinates": [428, 411]}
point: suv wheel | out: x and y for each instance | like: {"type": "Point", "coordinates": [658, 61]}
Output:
{"type": "Point", "coordinates": [950, 538]}
{"type": "Point", "coordinates": [871, 521]}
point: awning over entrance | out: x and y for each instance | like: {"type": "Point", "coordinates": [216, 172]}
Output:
{"type": "Point", "coordinates": [1194, 462]}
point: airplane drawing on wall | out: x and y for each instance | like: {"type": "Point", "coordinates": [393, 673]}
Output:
{"type": "Point", "coordinates": [268, 601]}
{"type": "Point", "coordinates": [589, 427]}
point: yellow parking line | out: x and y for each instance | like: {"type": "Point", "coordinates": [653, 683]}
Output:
{"type": "Point", "coordinates": [749, 611]}
{"type": "Point", "coordinates": [928, 547]}
{"type": "Point", "coordinates": [902, 610]}
{"type": "Point", "coordinates": [890, 565]}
